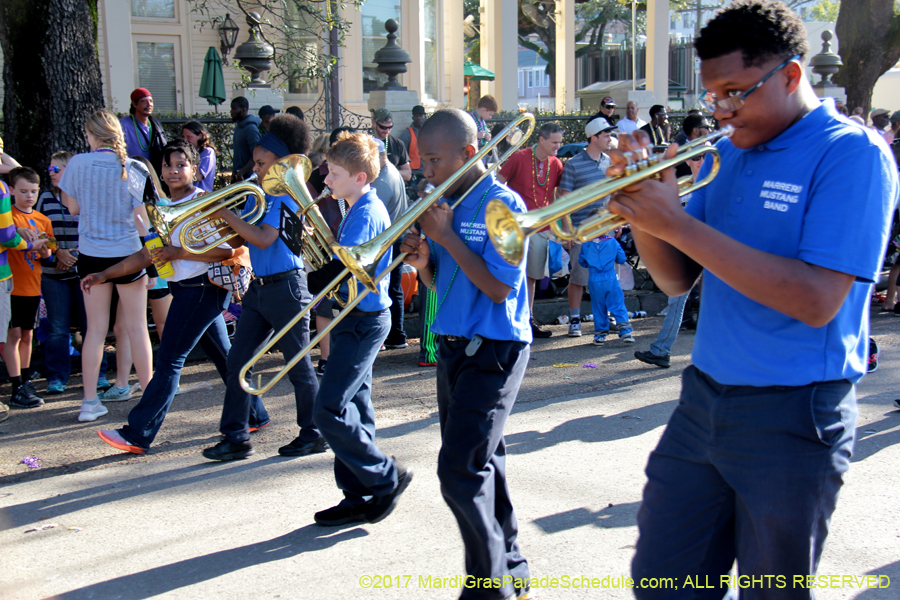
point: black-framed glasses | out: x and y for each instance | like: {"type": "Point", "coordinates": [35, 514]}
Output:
{"type": "Point", "coordinates": [53, 169]}
{"type": "Point", "coordinates": [735, 99]}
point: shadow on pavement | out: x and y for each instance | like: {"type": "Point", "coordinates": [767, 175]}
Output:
{"type": "Point", "coordinates": [166, 578]}
{"type": "Point", "coordinates": [54, 507]}
{"type": "Point", "coordinates": [868, 444]}
{"type": "Point", "coordinates": [614, 515]}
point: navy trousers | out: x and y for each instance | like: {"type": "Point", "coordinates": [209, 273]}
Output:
{"type": "Point", "coordinates": [266, 309]}
{"type": "Point", "coordinates": [746, 473]}
{"type": "Point", "coordinates": [344, 412]}
{"type": "Point", "coordinates": [475, 396]}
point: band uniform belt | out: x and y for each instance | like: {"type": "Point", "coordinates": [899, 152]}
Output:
{"type": "Point", "coordinates": [269, 279]}
{"type": "Point", "coordinates": [363, 313]}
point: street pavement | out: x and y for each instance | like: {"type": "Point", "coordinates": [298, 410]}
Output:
{"type": "Point", "coordinates": [174, 525]}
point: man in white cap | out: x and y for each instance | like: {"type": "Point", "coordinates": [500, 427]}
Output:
{"type": "Point", "coordinates": [881, 122]}
{"type": "Point", "coordinates": [585, 168]}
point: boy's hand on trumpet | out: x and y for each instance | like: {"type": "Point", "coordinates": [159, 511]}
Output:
{"type": "Point", "coordinates": [652, 204]}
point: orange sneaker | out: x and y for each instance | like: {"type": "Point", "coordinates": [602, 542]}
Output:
{"type": "Point", "coordinates": [114, 439]}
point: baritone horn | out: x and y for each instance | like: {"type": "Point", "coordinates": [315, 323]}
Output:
{"type": "Point", "coordinates": [362, 261]}
{"type": "Point", "coordinates": [509, 230]}
{"type": "Point", "coordinates": [198, 233]}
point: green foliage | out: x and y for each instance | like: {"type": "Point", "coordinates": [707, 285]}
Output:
{"type": "Point", "coordinates": [826, 10]}
{"type": "Point", "coordinates": [298, 30]}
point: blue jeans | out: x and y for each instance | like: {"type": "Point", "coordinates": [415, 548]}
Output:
{"type": "Point", "coordinates": [475, 396]}
{"type": "Point", "coordinates": [264, 310]}
{"type": "Point", "coordinates": [671, 325]}
{"type": "Point", "coordinates": [195, 316]}
{"type": "Point", "coordinates": [64, 300]}
{"type": "Point", "coordinates": [344, 412]}
{"type": "Point", "coordinates": [746, 473]}
{"type": "Point", "coordinates": [397, 334]}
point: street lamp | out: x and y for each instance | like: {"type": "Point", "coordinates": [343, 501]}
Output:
{"type": "Point", "coordinates": [228, 31]}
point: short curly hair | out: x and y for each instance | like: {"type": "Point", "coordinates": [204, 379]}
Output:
{"type": "Point", "coordinates": [292, 131]}
{"type": "Point", "coordinates": [760, 29]}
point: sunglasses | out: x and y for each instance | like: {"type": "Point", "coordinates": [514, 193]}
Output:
{"type": "Point", "coordinates": [53, 169]}
{"type": "Point", "coordinates": [385, 127]}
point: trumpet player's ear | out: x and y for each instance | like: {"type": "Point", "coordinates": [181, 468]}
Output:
{"type": "Point", "coordinates": [470, 151]}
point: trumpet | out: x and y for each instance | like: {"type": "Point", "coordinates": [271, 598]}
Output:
{"type": "Point", "coordinates": [508, 230]}
{"type": "Point", "coordinates": [362, 261]}
{"type": "Point", "coordinates": [198, 234]}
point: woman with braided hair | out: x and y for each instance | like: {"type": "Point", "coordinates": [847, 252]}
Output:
{"type": "Point", "coordinates": [106, 188]}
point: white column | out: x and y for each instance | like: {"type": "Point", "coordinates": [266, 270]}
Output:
{"type": "Point", "coordinates": [412, 39]}
{"type": "Point", "coordinates": [658, 50]}
{"type": "Point", "coordinates": [500, 51]}
{"type": "Point", "coordinates": [565, 55]}
{"type": "Point", "coordinates": [121, 76]}
{"type": "Point", "coordinates": [454, 53]}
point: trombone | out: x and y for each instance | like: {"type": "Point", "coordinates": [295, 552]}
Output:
{"type": "Point", "coordinates": [361, 261]}
{"type": "Point", "coordinates": [508, 230]}
{"type": "Point", "coordinates": [198, 234]}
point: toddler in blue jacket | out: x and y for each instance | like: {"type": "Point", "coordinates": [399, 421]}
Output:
{"type": "Point", "coordinates": [600, 256]}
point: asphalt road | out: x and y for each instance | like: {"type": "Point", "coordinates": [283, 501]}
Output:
{"type": "Point", "coordinates": [173, 525]}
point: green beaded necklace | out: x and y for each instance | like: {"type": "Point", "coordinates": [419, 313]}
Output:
{"type": "Point", "coordinates": [466, 241]}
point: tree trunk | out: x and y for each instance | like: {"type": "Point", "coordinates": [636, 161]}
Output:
{"type": "Point", "coordinates": [51, 77]}
{"type": "Point", "coordinates": [869, 36]}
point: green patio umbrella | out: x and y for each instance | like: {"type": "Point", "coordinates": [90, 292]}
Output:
{"type": "Point", "coordinates": [212, 82]}
{"type": "Point", "coordinates": [477, 72]}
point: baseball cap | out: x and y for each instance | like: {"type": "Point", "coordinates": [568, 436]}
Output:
{"type": "Point", "coordinates": [140, 93]}
{"type": "Point", "coordinates": [267, 110]}
{"type": "Point", "coordinates": [878, 112]}
{"type": "Point", "coordinates": [381, 115]}
{"type": "Point", "coordinates": [608, 102]}
{"type": "Point", "coordinates": [418, 110]}
{"type": "Point", "coordinates": [597, 125]}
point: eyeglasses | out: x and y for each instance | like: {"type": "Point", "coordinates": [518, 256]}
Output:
{"type": "Point", "coordinates": [735, 99]}
{"type": "Point", "coordinates": [385, 127]}
{"type": "Point", "coordinates": [53, 169]}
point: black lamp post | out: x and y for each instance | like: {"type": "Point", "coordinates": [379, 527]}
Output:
{"type": "Point", "coordinates": [228, 31]}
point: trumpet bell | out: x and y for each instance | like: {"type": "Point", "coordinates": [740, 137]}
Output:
{"type": "Point", "coordinates": [506, 233]}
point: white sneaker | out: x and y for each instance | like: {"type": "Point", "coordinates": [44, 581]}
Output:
{"type": "Point", "coordinates": [91, 411]}
{"type": "Point", "coordinates": [628, 339]}
{"type": "Point", "coordinates": [575, 327]}
{"type": "Point", "coordinates": [116, 394]}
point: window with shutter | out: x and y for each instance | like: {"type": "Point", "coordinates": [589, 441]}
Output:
{"type": "Point", "coordinates": [156, 72]}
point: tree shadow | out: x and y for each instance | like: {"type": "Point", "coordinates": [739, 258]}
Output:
{"type": "Point", "coordinates": [892, 571]}
{"type": "Point", "coordinates": [27, 513]}
{"type": "Point", "coordinates": [166, 578]}
{"type": "Point", "coordinates": [613, 516]}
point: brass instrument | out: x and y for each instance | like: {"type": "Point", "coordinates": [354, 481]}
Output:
{"type": "Point", "coordinates": [508, 230]}
{"type": "Point", "coordinates": [198, 233]}
{"type": "Point", "coordinates": [288, 176]}
{"type": "Point", "coordinates": [362, 260]}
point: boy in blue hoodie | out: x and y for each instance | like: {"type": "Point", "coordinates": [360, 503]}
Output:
{"type": "Point", "coordinates": [600, 256]}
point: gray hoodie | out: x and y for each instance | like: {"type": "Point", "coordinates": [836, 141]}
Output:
{"type": "Point", "coordinates": [246, 136]}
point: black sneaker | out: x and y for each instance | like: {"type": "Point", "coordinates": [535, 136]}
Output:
{"type": "Point", "coordinates": [29, 389]}
{"type": "Point", "coordinates": [652, 359]}
{"type": "Point", "coordinates": [537, 332]}
{"type": "Point", "coordinates": [874, 351]}
{"type": "Point", "coordinates": [21, 399]}
{"type": "Point", "coordinates": [381, 506]}
{"type": "Point", "coordinates": [228, 451]}
{"type": "Point", "coordinates": [300, 448]}
{"type": "Point", "coordinates": [392, 345]}
{"type": "Point", "coordinates": [320, 368]}
{"type": "Point", "coordinates": [341, 515]}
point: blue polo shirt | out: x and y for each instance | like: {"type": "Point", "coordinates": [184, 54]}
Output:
{"type": "Point", "coordinates": [277, 258]}
{"type": "Point", "coordinates": [367, 218]}
{"type": "Point", "coordinates": [822, 192]}
{"type": "Point", "coordinates": [462, 308]}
